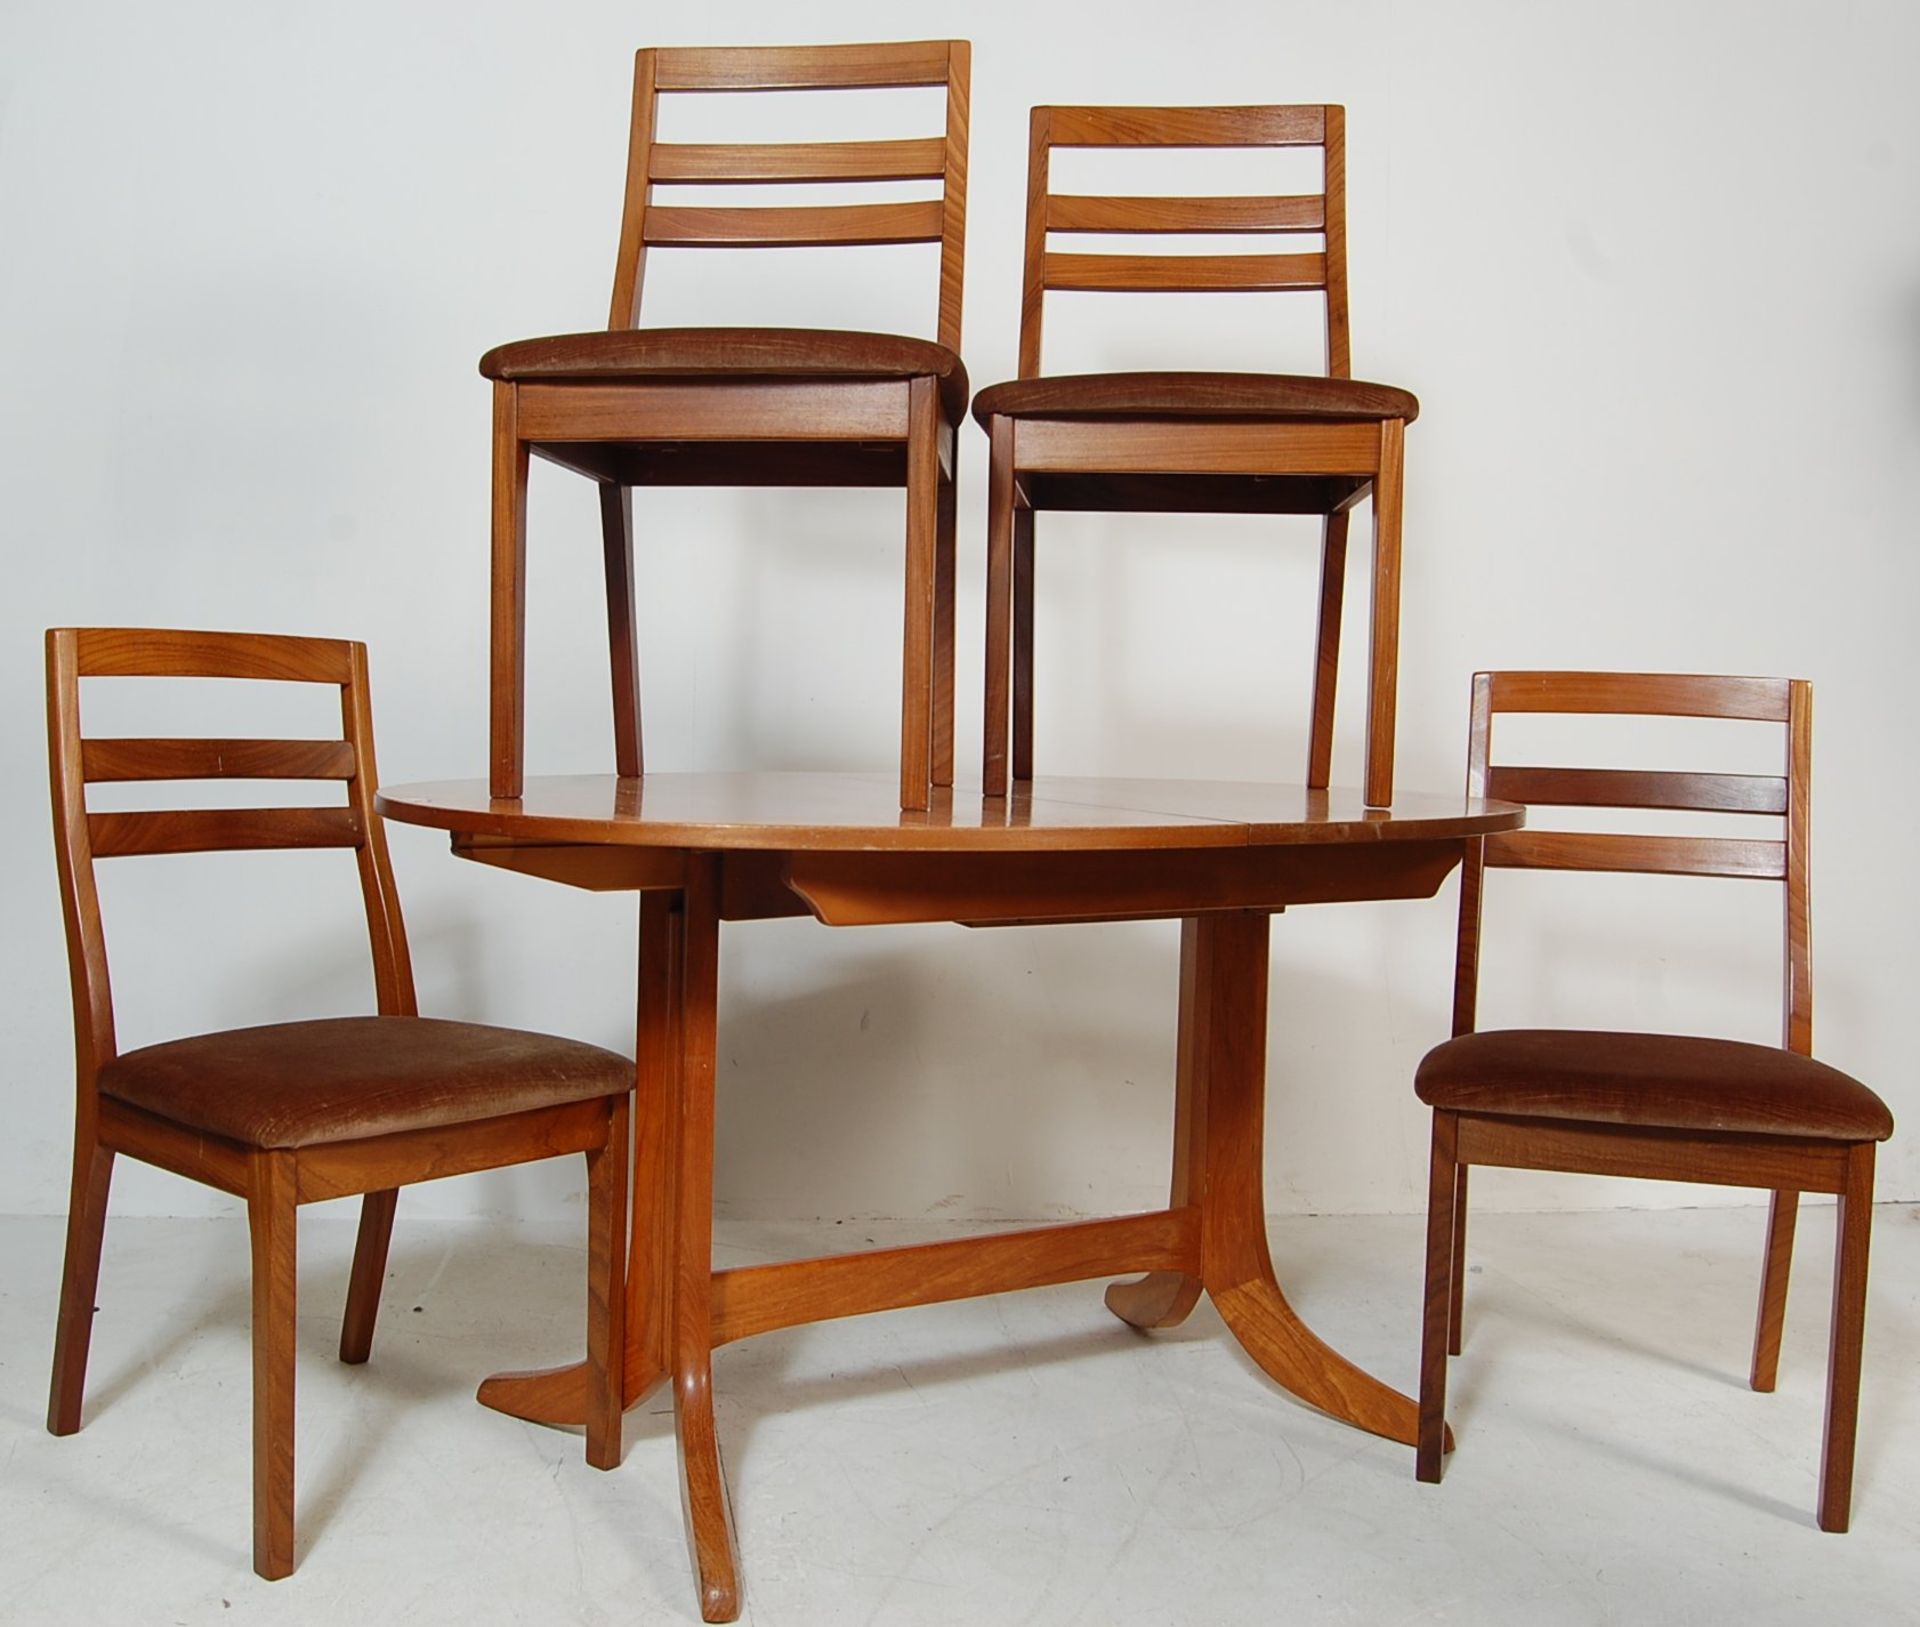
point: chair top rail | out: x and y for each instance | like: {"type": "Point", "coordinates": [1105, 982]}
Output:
{"type": "Point", "coordinates": [802, 67]}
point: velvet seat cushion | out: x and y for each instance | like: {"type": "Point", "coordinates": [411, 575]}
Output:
{"type": "Point", "coordinates": [634, 355]}
{"type": "Point", "coordinates": [1278, 396]}
{"type": "Point", "coordinates": [1657, 1081]}
{"type": "Point", "coordinates": [343, 1078]}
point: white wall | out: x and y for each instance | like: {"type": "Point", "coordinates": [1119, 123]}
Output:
{"type": "Point", "coordinates": [1654, 271]}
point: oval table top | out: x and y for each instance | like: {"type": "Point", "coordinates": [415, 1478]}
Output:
{"type": "Point", "coordinates": [851, 812]}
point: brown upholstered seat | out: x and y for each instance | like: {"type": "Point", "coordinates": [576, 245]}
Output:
{"type": "Point", "coordinates": [343, 1078]}
{"type": "Point", "coordinates": [628, 355]}
{"type": "Point", "coordinates": [1662, 1081]}
{"type": "Point", "coordinates": [1193, 395]}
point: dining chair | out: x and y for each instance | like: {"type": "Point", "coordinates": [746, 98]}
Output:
{"type": "Point", "coordinates": [297, 1112]}
{"type": "Point", "coordinates": [1191, 442]}
{"type": "Point", "coordinates": [1654, 1106]}
{"type": "Point", "coordinates": [751, 406]}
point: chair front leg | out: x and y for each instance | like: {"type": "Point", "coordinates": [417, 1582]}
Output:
{"type": "Point", "coordinates": [1383, 665]}
{"type": "Point", "coordinates": [1854, 1228]}
{"type": "Point", "coordinates": [997, 703]}
{"type": "Point", "coordinates": [271, 1219]}
{"type": "Point", "coordinates": [508, 679]}
{"type": "Point", "coordinates": [1437, 1298]}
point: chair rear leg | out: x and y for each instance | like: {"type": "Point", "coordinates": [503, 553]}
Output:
{"type": "Point", "coordinates": [1854, 1226]}
{"type": "Point", "coordinates": [607, 1290]}
{"type": "Point", "coordinates": [73, 1334]}
{"type": "Point", "coordinates": [1326, 660]}
{"type": "Point", "coordinates": [1457, 1293]}
{"type": "Point", "coordinates": [369, 1275]}
{"type": "Point", "coordinates": [271, 1221]}
{"type": "Point", "coordinates": [1438, 1296]}
{"type": "Point", "coordinates": [1772, 1315]}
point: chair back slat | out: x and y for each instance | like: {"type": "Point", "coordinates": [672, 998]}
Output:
{"type": "Point", "coordinates": [1643, 694]}
{"type": "Point", "coordinates": [1633, 854]}
{"type": "Point", "coordinates": [1783, 701]}
{"type": "Point", "coordinates": [767, 163]}
{"type": "Point", "coordinates": [856, 225]}
{"type": "Point", "coordinates": [1323, 213]}
{"type": "Point", "coordinates": [82, 836]}
{"type": "Point", "coordinates": [210, 759]}
{"type": "Point", "coordinates": [220, 830]}
{"type": "Point", "coordinates": [1638, 788]}
{"type": "Point", "coordinates": [1184, 273]}
{"type": "Point", "coordinates": [1189, 126]}
{"type": "Point", "coordinates": [892, 66]}
{"type": "Point", "coordinates": [143, 652]}
{"type": "Point", "coordinates": [1074, 212]}
{"type": "Point", "coordinates": [646, 224]}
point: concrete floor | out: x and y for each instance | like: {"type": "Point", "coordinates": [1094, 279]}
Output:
{"type": "Point", "coordinates": [1016, 1460]}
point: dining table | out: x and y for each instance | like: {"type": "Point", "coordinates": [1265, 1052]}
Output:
{"type": "Point", "coordinates": [701, 849]}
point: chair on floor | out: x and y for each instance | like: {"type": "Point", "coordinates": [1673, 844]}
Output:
{"type": "Point", "coordinates": [298, 1112]}
{"type": "Point", "coordinates": [1191, 442]}
{"type": "Point", "coordinates": [636, 406]}
{"type": "Point", "coordinates": [1655, 1106]}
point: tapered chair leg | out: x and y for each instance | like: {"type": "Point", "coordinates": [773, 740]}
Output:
{"type": "Point", "coordinates": [369, 1275]}
{"type": "Point", "coordinates": [916, 658]}
{"type": "Point", "coordinates": [1438, 1297]}
{"type": "Point", "coordinates": [607, 1291]}
{"type": "Point", "coordinates": [945, 597]}
{"type": "Point", "coordinates": [1854, 1226]}
{"type": "Point", "coordinates": [1326, 660]}
{"type": "Point", "coordinates": [271, 1221]}
{"type": "Point", "coordinates": [1383, 650]}
{"type": "Point", "coordinates": [1772, 1315]}
{"type": "Point", "coordinates": [1457, 1293]}
{"type": "Point", "coordinates": [1022, 756]}
{"type": "Point", "coordinates": [997, 705]}
{"type": "Point", "coordinates": [623, 644]}
{"type": "Point", "coordinates": [73, 1334]}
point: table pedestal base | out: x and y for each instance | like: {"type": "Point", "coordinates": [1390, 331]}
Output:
{"type": "Point", "coordinates": [1212, 1236]}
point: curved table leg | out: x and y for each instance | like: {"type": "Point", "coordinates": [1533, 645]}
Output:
{"type": "Point", "coordinates": [1164, 1299]}
{"type": "Point", "coordinates": [703, 1485]}
{"type": "Point", "coordinates": [557, 1396]}
{"type": "Point", "coordinates": [1223, 1026]}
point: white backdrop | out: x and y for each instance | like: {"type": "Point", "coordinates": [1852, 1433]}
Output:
{"type": "Point", "coordinates": [1654, 271]}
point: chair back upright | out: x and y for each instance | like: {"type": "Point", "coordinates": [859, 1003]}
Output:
{"type": "Point", "coordinates": [81, 837]}
{"type": "Point", "coordinates": [1787, 702]}
{"type": "Point", "coordinates": [1323, 213]}
{"type": "Point", "coordinates": [659, 71]}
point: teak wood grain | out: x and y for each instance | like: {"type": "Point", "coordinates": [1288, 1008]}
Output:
{"type": "Point", "coordinates": [751, 406]}
{"type": "Point", "coordinates": [1653, 1107]}
{"type": "Point", "coordinates": [579, 1106]}
{"type": "Point", "coordinates": [704, 849]}
{"type": "Point", "coordinates": [1191, 442]}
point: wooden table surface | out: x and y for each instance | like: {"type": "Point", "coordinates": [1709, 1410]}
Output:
{"type": "Point", "coordinates": [703, 848]}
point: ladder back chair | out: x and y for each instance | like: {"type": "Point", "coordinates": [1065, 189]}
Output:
{"type": "Point", "coordinates": [1655, 1106]}
{"type": "Point", "coordinates": [727, 406]}
{"type": "Point", "coordinates": [1191, 442]}
{"type": "Point", "coordinates": [297, 1112]}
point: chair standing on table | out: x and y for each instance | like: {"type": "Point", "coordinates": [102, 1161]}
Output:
{"type": "Point", "coordinates": [640, 406]}
{"type": "Point", "coordinates": [1656, 1106]}
{"type": "Point", "coordinates": [297, 1112]}
{"type": "Point", "coordinates": [1189, 442]}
